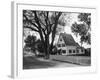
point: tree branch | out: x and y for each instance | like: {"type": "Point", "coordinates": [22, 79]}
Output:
{"type": "Point", "coordinates": [42, 23]}
{"type": "Point", "coordinates": [37, 21]}
{"type": "Point", "coordinates": [29, 21]}
{"type": "Point", "coordinates": [54, 29]}
{"type": "Point", "coordinates": [31, 28]}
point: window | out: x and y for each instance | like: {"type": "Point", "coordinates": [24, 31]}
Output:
{"type": "Point", "coordinates": [82, 50]}
{"type": "Point", "coordinates": [73, 51]}
{"type": "Point", "coordinates": [63, 45]}
{"type": "Point", "coordinates": [70, 51]}
{"type": "Point", "coordinates": [63, 51]}
{"type": "Point", "coordinates": [59, 45]}
{"type": "Point", "coordinates": [77, 51]}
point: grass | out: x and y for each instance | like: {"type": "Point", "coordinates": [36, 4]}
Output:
{"type": "Point", "coordinates": [40, 63]}
{"type": "Point", "coordinates": [35, 63]}
{"type": "Point", "coordinates": [81, 60]}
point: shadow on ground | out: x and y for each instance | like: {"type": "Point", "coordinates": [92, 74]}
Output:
{"type": "Point", "coordinates": [55, 61]}
{"type": "Point", "coordinates": [35, 63]}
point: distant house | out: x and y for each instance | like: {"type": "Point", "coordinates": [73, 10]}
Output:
{"type": "Point", "coordinates": [67, 45]}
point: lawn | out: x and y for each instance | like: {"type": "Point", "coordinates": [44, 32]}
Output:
{"type": "Point", "coordinates": [80, 60]}
{"type": "Point", "coordinates": [38, 63]}
{"type": "Point", "coordinates": [35, 63]}
{"type": "Point", "coordinates": [32, 62]}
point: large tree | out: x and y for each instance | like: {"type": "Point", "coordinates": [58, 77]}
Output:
{"type": "Point", "coordinates": [83, 28]}
{"type": "Point", "coordinates": [45, 24]}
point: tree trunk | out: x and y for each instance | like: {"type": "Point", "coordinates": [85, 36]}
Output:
{"type": "Point", "coordinates": [47, 54]}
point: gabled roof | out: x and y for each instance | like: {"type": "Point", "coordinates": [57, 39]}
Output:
{"type": "Point", "coordinates": [68, 39]}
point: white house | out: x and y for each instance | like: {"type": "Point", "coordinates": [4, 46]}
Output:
{"type": "Point", "coordinates": [67, 45]}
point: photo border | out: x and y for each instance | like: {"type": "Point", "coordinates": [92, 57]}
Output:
{"type": "Point", "coordinates": [17, 70]}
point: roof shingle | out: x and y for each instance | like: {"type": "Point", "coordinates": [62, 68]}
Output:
{"type": "Point", "coordinates": [68, 39]}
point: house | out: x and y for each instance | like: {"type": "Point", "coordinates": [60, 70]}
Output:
{"type": "Point", "coordinates": [67, 45]}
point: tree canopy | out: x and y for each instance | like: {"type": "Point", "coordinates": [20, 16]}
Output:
{"type": "Point", "coordinates": [45, 23]}
{"type": "Point", "coordinates": [83, 28]}
{"type": "Point", "coordinates": [30, 42]}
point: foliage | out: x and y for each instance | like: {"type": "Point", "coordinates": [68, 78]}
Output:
{"type": "Point", "coordinates": [86, 18]}
{"type": "Point", "coordinates": [83, 28]}
{"type": "Point", "coordinates": [30, 42]}
{"type": "Point", "coordinates": [45, 23]}
{"type": "Point", "coordinates": [40, 46]}
{"type": "Point", "coordinates": [54, 50]}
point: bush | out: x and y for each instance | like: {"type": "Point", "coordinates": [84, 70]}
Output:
{"type": "Point", "coordinates": [88, 52]}
{"type": "Point", "coordinates": [54, 50]}
{"type": "Point", "coordinates": [40, 47]}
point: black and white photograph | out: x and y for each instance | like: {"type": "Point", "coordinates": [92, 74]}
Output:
{"type": "Point", "coordinates": [54, 39]}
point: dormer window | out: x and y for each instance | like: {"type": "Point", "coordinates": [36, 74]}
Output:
{"type": "Point", "coordinates": [63, 45]}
